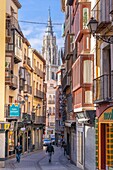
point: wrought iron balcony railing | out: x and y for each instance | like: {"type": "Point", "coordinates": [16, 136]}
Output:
{"type": "Point", "coordinates": [103, 88]}
{"type": "Point", "coordinates": [38, 93]}
{"type": "Point", "coordinates": [65, 82]}
{"type": "Point", "coordinates": [68, 46]}
{"type": "Point", "coordinates": [27, 89]}
{"type": "Point", "coordinates": [27, 60]}
{"type": "Point", "coordinates": [40, 119]}
{"type": "Point", "coordinates": [11, 79]}
{"type": "Point", "coordinates": [51, 102]}
{"type": "Point", "coordinates": [15, 24]}
{"type": "Point", "coordinates": [101, 12]}
{"type": "Point", "coordinates": [9, 48]}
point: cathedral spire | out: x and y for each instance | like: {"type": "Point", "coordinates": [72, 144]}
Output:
{"type": "Point", "coordinates": [49, 29]}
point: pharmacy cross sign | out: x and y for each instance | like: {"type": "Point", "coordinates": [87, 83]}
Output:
{"type": "Point", "coordinates": [15, 110]}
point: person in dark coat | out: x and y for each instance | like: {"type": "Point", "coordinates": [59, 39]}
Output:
{"type": "Point", "coordinates": [65, 148]}
{"type": "Point", "coordinates": [50, 150]}
{"type": "Point", "coordinates": [18, 149]}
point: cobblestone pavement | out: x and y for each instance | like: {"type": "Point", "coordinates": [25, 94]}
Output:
{"type": "Point", "coordinates": [39, 161]}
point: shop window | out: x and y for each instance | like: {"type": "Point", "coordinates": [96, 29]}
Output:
{"type": "Point", "coordinates": [11, 142]}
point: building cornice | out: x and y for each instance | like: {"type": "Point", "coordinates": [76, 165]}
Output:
{"type": "Point", "coordinates": [39, 56]}
{"type": "Point", "coordinates": [63, 5]}
{"type": "Point", "coordinates": [17, 3]}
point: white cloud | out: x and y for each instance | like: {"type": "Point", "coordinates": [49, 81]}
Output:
{"type": "Point", "coordinates": [35, 35]}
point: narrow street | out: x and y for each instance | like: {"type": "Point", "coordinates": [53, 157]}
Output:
{"type": "Point", "coordinates": [39, 161]}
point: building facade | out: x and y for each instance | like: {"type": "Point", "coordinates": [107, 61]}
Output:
{"type": "Point", "coordinates": [50, 54]}
{"type": "Point", "coordinates": [2, 79]}
{"type": "Point", "coordinates": [77, 83]}
{"type": "Point", "coordinates": [59, 110]}
{"type": "Point", "coordinates": [102, 12]}
{"type": "Point", "coordinates": [24, 87]}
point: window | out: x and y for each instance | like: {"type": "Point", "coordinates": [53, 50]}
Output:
{"type": "Point", "coordinates": [28, 107]}
{"type": "Point", "coordinates": [52, 75]}
{"type": "Point", "coordinates": [53, 97]}
{"type": "Point", "coordinates": [10, 99]}
{"type": "Point", "coordinates": [88, 71]}
{"type": "Point", "coordinates": [51, 85]}
{"type": "Point", "coordinates": [53, 109]}
{"type": "Point", "coordinates": [49, 109]}
{"type": "Point", "coordinates": [85, 17]}
{"type": "Point", "coordinates": [40, 67]}
{"type": "Point", "coordinates": [37, 85]}
{"type": "Point", "coordinates": [88, 97]}
{"type": "Point", "coordinates": [40, 87]}
{"type": "Point", "coordinates": [50, 97]}
{"type": "Point", "coordinates": [38, 64]}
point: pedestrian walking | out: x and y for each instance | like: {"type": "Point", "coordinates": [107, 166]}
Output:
{"type": "Point", "coordinates": [50, 150]}
{"type": "Point", "coordinates": [65, 148]}
{"type": "Point", "coordinates": [18, 149]}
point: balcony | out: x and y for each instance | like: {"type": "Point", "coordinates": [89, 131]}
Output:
{"type": "Point", "coordinates": [17, 54]}
{"type": "Point", "coordinates": [65, 82]}
{"type": "Point", "coordinates": [11, 80]}
{"type": "Point", "coordinates": [70, 2]}
{"type": "Point", "coordinates": [37, 71]}
{"type": "Point", "coordinates": [27, 61]}
{"type": "Point", "coordinates": [27, 89]}
{"type": "Point", "coordinates": [33, 116]}
{"type": "Point", "coordinates": [8, 29]}
{"type": "Point", "coordinates": [22, 73]}
{"type": "Point", "coordinates": [103, 88]}
{"type": "Point", "coordinates": [68, 46]}
{"type": "Point", "coordinates": [15, 24]}
{"type": "Point", "coordinates": [40, 119]}
{"type": "Point", "coordinates": [101, 13]}
{"type": "Point", "coordinates": [41, 74]}
{"type": "Point", "coordinates": [51, 102]}
{"type": "Point", "coordinates": [26, 118]}
{"type": "Point", "coordinates": [9, 48]}
{"type": "Point", "coordinates": [38, 94]}
{"type": "Point", "coordinates": [7, 111]}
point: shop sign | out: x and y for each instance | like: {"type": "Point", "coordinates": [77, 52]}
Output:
{"type": "Point", "coordinates": [108, 115]}
{"type": "Point", "coordinates": [6, 126]}
{"type": "Point", "coordinates": [15, 110]}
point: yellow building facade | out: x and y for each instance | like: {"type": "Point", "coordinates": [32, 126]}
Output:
{"type": "Point", "coordinates": [23, 84]}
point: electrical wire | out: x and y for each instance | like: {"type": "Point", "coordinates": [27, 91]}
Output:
{"type": "Point", "coordinates": [39, 23]}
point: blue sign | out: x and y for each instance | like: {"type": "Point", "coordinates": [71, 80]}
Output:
{"type": "Point", "coordinates": [15, 110]}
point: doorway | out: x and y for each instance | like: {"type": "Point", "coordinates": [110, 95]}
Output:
{"type": "Point", "coordinates": [107, 146]}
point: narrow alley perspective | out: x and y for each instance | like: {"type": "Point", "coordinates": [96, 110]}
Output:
{"type": "Point", "coordinates": [39, 161]}
{"type": "Point", "coordinates": [56, 84]}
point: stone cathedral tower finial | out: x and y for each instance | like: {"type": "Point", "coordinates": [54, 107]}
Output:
{"type": "Point", "coordinates": [49, 29]}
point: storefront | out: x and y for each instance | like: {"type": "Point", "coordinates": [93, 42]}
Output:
{"type": "Point", "coordinates": [11, 142]}
{"type": "Point", "coordinates": [104, 140]}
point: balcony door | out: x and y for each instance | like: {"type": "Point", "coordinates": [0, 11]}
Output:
{"type": "Point", "coordinates": [106, 71]}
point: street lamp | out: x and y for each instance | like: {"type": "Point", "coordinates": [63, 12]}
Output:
{"type": "Point", "coordinates": [26, 97]}
{"type": "Point", "coordinates": [93, 25]}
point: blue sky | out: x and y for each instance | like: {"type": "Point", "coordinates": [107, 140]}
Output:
{"type": "Point", "coordinates": [37, 11]}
